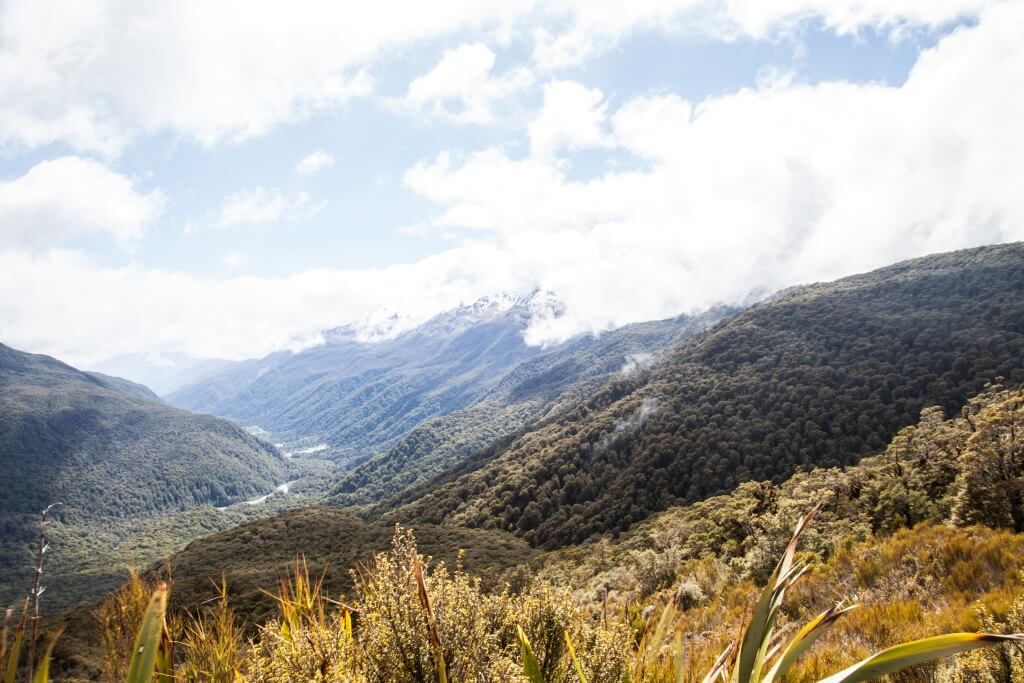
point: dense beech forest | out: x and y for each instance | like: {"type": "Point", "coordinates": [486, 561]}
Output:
{"type": "Point", "coordinates": [817, 376]}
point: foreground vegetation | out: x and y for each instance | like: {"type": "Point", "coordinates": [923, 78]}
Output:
{"type": "Point", "coordinates": [411, 621]}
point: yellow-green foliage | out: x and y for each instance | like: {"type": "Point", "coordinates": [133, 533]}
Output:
{"type": "Point", "coordinates": [991, 482]}
{"type": "Point", "coordinates": [995, 666]}
{"type": "Point", "coordinates": [410, 622]}
{"type": "Point", "coordinates": [391, 638]}
{"type": "Point", "coordinates": [915, 584]}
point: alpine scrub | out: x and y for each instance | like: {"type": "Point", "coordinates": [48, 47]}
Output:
{"type": "Point", "coordinates": [758, 655]}
{"type": "Point", "coordinates": [412, 622]}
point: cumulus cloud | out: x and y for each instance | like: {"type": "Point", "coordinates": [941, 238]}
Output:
{"type": "Point", "coordinates": [314, 162]}
{"type": "Point", "coordinates": [572, 117]}
{"type": "Point", "coordinates": [105, 71]}
{"type": "Point", "coordinates": [70, 195]}
{"type": "Point", "coordinates": [754, 190]}
{"type": "Point", "coordinates": [462, 87]}
{"type": "Point", "coordinates": [259, 206]}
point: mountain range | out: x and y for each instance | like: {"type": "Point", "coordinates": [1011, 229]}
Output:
{"type": "Point", "coordinates": [394, 411]}
{"type": "Point", "coordinates": [356, 396]}
{"type": "Point", "coordinates": [817, 376]}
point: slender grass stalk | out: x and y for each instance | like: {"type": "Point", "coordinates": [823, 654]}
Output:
{"type": "Point", "coordinates": [531, 667]}
{"type": "Point", "coordinates": [432, 634]}
{"type": "Point", "coordinates": [38, 588]}
{"type": "Point", "coordinates": [3, 635]}
{"type": "Point", "coordinates": [42, 674]}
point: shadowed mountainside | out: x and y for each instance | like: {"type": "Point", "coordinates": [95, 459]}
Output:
{"type": "Point", "coordinates": [108, 452]}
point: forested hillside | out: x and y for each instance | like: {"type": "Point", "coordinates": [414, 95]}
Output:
{"type": "Point", "coordinates": [820, 375]}
{"type": "Point", "coordinates": [360, 396]}
{"type": "Point", "coordinates": [108, 451]}
{"type": "Point", "coordinates": [332, 541]}
{"type": "Point", "coordinates": [540, 388]}
{"type": "Point", "coordinates": [965, 470]}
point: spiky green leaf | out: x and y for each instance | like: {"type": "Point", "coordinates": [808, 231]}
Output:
{"type": "Point", "coordinates": [531, 668]}
{"type": "Point", "coordinates": [42, 674]}
{"type": "Point", "coordinates": [917, 652]}
{"type": "Point", "coordinates": [14, 653]}
{"type": "Point", "coordinates": [575, 661]}
{"type": "Point", "coordinates": [147, 641]}
{"type": "Point", "coordinates": [803, 639]}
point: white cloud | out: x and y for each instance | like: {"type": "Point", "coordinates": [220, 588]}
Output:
{"type": "Point", "coordinates": [637, 120]}
{"type": "Point", "coordinates": [572, 117]}
{"type": "Point", "coordinates": [105, 71]}
{"type": "Point", "coordinates": [593, 26]}
{"type": "Point", "coordinates": [314, 162]}
{"type": "Point", "coordinates": [66, 196]}
{"type": "Point", "coordinates": [759, 18]}
{"type": "Point", "coordinates": [461, 86]}
{"type": "Point", "coordinates": [761, 188]}
{"type": "Point", "coordinates": [260, 206]}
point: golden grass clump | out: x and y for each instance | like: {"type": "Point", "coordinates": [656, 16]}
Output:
{"type": "Point", "coordinates": [211, 641]}
{"type": "Point", "coordinates": [306, 641]}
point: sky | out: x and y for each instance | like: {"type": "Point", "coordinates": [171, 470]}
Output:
{"type": "Point", "coordinates": [225, 180]}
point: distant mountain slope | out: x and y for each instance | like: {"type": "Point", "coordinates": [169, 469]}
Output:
{"type": "Point", "coordinates": [818, 376]}
{"type": "Point", "coordinates": [360, 397]}
{"type": "Point", "coordinates": [539, 388]}
{"type": "Point", "coordinates": [107, 450]}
